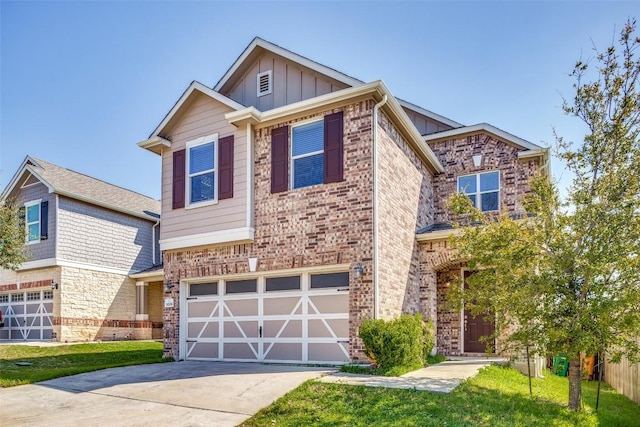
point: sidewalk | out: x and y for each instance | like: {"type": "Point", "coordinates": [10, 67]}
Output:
{"type": "Point", "coordinates": [442, 377]}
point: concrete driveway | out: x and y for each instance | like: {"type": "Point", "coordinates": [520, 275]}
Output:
{"type": "Point", "coordinates": [176, 394]}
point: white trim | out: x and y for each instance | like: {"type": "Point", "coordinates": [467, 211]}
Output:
{"type": "Point", "coordinates": [287, 54]}
{"type": "Point", "coordinates": [250, 180]}
{"type": "Point", "coordinates": [28, 205]}
{"type": "Point", "coordinates": [377, 89]}
{"type": "Point", "coordinates": [148, 275]}
{"type": "Point", "coordinates": [293, 158]}
{"type": "Point", "coordinates": [155, 144]}
{"type": "Point", "coordinates": [243, 234]}
{"type": "Point", "coordinates": [269, 89]}
{"type": "Point", "coordinates": [478, 193]}
{"type": "Point", "coordinates": [93, 267]}
{"type": "Point", "coordinates": [436, 235]}
{"type": "Point", "coordinates": [486, 127]}
{"type": "Point", "coordinates": [56, 248]}
{"type": "Point", "coordinates": [203, 140]}
{"type": "Point", "coordinates": [40, 263]}
{"type": "Point", "coordinates": [194, 86]}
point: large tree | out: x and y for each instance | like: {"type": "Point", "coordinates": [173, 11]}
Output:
{"type": "Point", "coordinates": [12, 235]}
{"type": "Point", "coordinates": [564, 277]}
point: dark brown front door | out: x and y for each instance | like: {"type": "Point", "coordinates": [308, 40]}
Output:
{"type": "Point", "coordinates": [475, 327]}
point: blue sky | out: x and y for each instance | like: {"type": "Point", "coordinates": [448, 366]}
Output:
{"type": "Point", "coordinates": [82, 82]}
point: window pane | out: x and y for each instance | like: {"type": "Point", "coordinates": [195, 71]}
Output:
{"type": "Point", "coordinates": [33, 213]}
{"type": "Point", "coordinates": [202, 187]}
{"type": "Point", "coordinates": [240, 286]}
{"type": "Point", "coordinates": [307, 138]}
{"type": "Point", "coordinates": [473, 199]}
{"type": "Point", "coordinates": [308, 171]}
{"type": "Point", "coordinates": [489, 201]}
{"type": "Point", "coordinates": [203, 289]}
{"type": "Point", "coordinates": [201, 158]}
{"type": "Point", "coordinates": [283, 283]}
{"type": "Point", "coordinates": [331, 280]}
{"type": "Point", "coordinates": [34, 232]}
{"type": "Point", "coordinates": [467, 184]}
{"type": "Point", "coordinates": [489, 181]}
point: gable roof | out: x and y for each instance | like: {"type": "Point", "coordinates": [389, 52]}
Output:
{"type": "Point", "coordinates": [82, 187]}
{"type": "Point", "coordinates": [484, 127]}
{"type": "Point", "coordinates": [259, 46]}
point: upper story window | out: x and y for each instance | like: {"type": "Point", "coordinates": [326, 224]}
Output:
{"type": "Point", "coordinates": [307, 154]}
{"type": "Point", "coordinates": [32, 221]}
{"type": "Point", "coordinates": [201, 160]}
{"type": "Point", "coordinates": [483, 189]}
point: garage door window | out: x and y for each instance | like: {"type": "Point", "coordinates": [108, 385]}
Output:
{"type": "Point", "coordinates": [17, 297]}
{"type": "Point", "coordinates": [4, 298]}
{"type": "Point", "coordinates": [291, 283]}
{"type": "Point", "coordinates": [241, 286]}
{"type": "Point", "coordinates": [330, 280]}
{"type": "Point", "coordinates": [197, 289]}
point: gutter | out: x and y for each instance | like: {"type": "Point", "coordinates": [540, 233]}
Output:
{"type": "Point", "coordinates": [153, 242]}
{"type": "Point", "coordinates": [376, 293]}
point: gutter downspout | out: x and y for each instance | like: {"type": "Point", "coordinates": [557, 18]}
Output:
{"type": "Point", "coordinates": [376, 296]}
{"type": "Point", "coordinates": [153, 242]}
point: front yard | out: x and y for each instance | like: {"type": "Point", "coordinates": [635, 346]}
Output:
{"type": "Point", "coordinates": [496, 397]}
{"type": "Point", "coordinates": [49, 362]}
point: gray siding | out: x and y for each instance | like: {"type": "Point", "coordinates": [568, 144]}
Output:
{"type": "Point", "coordinates": [291, 83]}
{"type": "Point", "coordinates": [45, 248]}
{"type": "Point", "coordinates": [424, 124]}
{"type": "Point", "coordinates": [97, 236]}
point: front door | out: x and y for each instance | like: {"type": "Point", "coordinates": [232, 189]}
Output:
{"type": "Point", "coordinates": [475, 328]}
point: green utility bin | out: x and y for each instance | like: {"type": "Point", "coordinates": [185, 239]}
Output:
{"type": "Point", "coordinates": [561, 365]}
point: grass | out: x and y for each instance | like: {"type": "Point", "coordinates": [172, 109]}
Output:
{"type": "Point", "coordinates": [396, 371]}
{"type": "Point", "coordinates": [496, 397]}
{"type": "Point", "coordinates": [59, 361]}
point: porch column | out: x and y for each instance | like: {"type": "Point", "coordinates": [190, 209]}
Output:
{"type": "Point", "coordinates": [142, 300]}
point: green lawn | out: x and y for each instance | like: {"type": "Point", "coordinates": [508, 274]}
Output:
{"type": "Point", "coordinates": [496, 397]}
{"type": "Point", "coordinates": [59, 361]}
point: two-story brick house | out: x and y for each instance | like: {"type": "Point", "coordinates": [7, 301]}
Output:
{"type": "Point", "coordinates": [298, 201]}
{"type": "Point", "coordinates": [94, 266]}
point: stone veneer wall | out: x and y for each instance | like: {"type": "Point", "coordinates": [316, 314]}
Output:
{"type": "Point", "coordinates": [326, 224]}
{"type": "Point", "coordinates": [405, 204]}
{"type": "Point", "coordinates": [96, 305]}
{"type": "Point", "coordinates": [456, 155]}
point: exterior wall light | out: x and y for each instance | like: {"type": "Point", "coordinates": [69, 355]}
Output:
{"type": "Point", "coordinates": [54, 285]}
{"type": "Point", "coordinates": [168, 286]}
{"type": "Point", "coordinates": [358, 270]}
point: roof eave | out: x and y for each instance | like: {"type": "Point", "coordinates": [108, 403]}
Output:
{"type": "Point", "coordinates": [483, 127]}
{"type": "Point", "coordinates": [155, 144]}
{"type": "Point", "coordinates": [436, 235]}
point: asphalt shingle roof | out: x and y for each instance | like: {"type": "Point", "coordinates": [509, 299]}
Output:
{"type": "Point", "coordinates": [77, 185]}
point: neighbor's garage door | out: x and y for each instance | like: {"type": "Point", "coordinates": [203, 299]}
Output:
{"type": "Point", "coordinates": [27, 315]}
{"type": "Point", "coordinates": [302, 318]}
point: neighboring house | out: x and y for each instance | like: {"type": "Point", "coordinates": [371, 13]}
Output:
{"type": "Point", "coordinates": [298, 201]}
{"type": "Point", "coordinates": [94, 268]}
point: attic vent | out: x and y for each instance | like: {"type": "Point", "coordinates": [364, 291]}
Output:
{"type": "Point", "coordinates": [264, 83]}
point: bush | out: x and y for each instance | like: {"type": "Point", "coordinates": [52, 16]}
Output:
{"type": "Point", "coordinates": [404, 342]}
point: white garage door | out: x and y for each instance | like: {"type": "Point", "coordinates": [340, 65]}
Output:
{"type": "Point", "coordinates": [27, 315]}
{"type": "Point", "coordinates": [301, 318]}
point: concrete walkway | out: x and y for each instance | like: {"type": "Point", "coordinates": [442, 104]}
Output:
{"type": "Point", "coordinates": [443, 377]}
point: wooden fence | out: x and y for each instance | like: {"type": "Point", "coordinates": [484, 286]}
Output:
{"type": "Point", "coordinates": [624, 377]}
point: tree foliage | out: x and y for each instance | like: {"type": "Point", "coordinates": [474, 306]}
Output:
{"type": "Point", "coordinates": [12, 236]}
{"type": "Point", "coordinates": [564, 277]}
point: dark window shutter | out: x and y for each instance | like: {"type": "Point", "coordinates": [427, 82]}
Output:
{"type": "Point", "coordinates": [225, 168]}
{"type": "Point", "coordinates": [179, 165]}
{"type": "Point", "coordinates": [44, 220]}
{"type": "Point", "coordinates": [333, 148]}
{"type": "Point", "coordinates": [280, 159]}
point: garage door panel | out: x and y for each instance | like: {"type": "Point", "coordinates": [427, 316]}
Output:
{"type": "Point", "coordinates": [325, 352]}
{"type": "Point", "coordinates": [202, 329]}
{"type": "Point", "coordinates": [202, 308]}
{"type": "Point", "coordinates": [279, 306]}
{"type": "Point", "coordinates": [241, 329]}
{"type": "Point", "coordinates": [283, 351]}
{"type": "Point", "coordinates": [338, 303]}
{"type": "Point", "coordinates": [202, 350]}
{"type": "Point", "coordinates": [33, 334]}
{"type": "Point", "coordinates": [245, 351]}
{"type": "Point", "coordinates": [320, 329]}
{"type": "Point", "coordinates": [244, 307]}
{"type": "Point", "coordinates": [282, 328]}
{"type": "Point", "coordinates": [18, 308]}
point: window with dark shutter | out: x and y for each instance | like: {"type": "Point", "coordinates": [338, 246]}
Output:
{"type": "Point", "coordinates": [225, 167]}
{"type": "Point", "coordinates": [178, 179]}
{"type": "Point", "coordinates": [44, 220]}
{"type": "Point", "coordinates": [280, 159]}
{"type": "Point", "coordinates": [333, 148]}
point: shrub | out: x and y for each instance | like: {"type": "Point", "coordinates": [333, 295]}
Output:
{"type": "Point", "coordinates": [428, 340]}
{"type": "Point", "coordinates": [400, 343]}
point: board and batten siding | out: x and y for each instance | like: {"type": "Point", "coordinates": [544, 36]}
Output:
{"type": "Point", "coordinates": [203, 117]}
{"type": "Point", "coordinates": [291, 83]}
{"type": "Point", "coordinates": [424, 124]}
